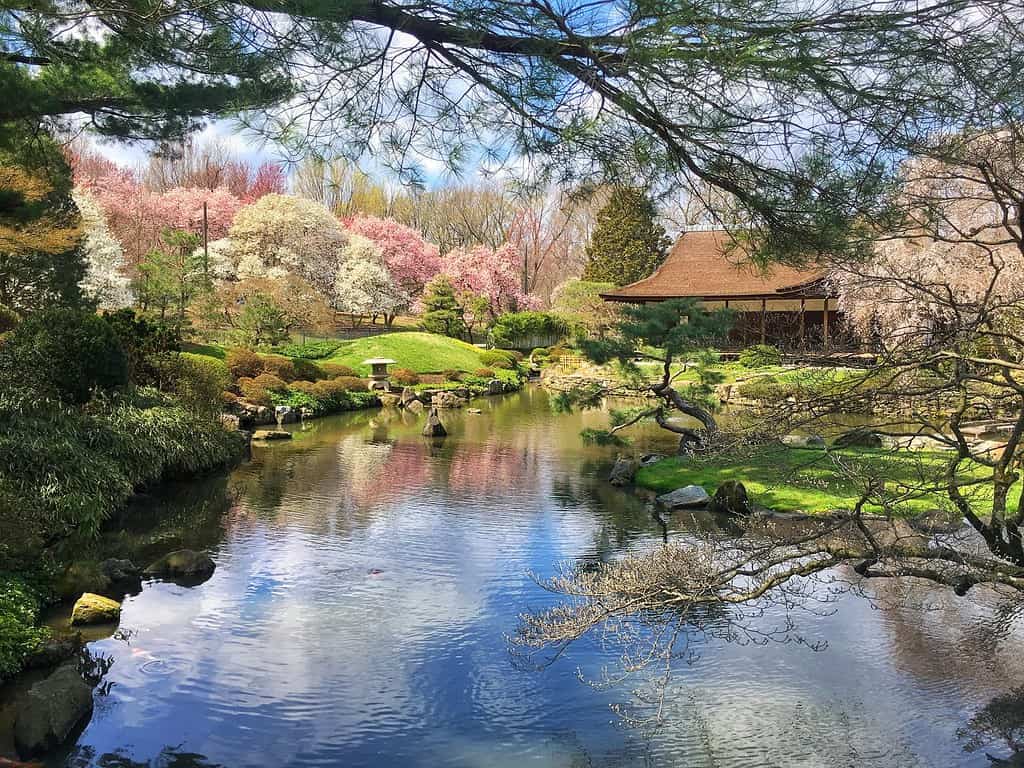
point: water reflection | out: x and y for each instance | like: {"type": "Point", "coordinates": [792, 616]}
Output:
{"type": "Point", "coordinates": [367, 578]}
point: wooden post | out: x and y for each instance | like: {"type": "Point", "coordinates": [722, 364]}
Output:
{"type": "Point", "coordinates": [764, 318]}
{"type": "Point", "coordinates": [825, 324]}
{"type": "Point", "coordinates": [803, 306]}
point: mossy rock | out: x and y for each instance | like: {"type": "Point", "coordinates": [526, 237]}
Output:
{"type": "Point", "coordinates": [95, 609]}
{"type": "Point", "coordinates": [183, 564]}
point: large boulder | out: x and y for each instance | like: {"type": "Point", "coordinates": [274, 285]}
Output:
{"type": "Point", "coordinates": [271, 434]}
{"type": "Point", "coordinates": [95, 609]}
{"type": "Point", "coordinates": [731, 499]}
{"type": "Point", "coordinates": [434, 427]}
{"type": "Point", "coordinates": [415, 406]}
{"type": "Point", "coordinates": [803, 441]}
{"type": "Point", "coordinates": [409, 396]}
{"type": "Point", "coordinates": [52, 709]}
{"type": "Point", "coordinates": [688, 497]}
{"type": "Point", "coordinates": [55, 650]}
{"type": "Point", "coordinates": [122, 574]}
{"type": "Point", "coordinates": [495, 387]}
{"type": "Point", "coordinates": [389, 399]}
{"type": "Point", "coordinates": [937, 521]}
{"type": "Point", "coordinates": [858, 438]}
{"type": "Point", "coordinates": [184, 564]}
{"type": "Point", "coordinates": [447, 400]}
{"type": "Point", "coordinates": [623, 471]}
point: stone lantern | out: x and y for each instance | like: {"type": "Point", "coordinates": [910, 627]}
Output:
{"type": "Point", "coordinates": [379, 373]}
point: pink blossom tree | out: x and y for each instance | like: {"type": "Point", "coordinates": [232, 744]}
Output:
{"type": "Point", "coordinates": [493, 273]}
{"type": "Point", "coordinates": [410, 260]}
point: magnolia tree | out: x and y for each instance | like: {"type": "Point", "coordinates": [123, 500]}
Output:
{"type": "Point", "coordinates": [285, 234]}
{"type": "Point", "coordinates": [105, 281]}
{"type": "Point", "coordinates": [363, 286]}
{"type": "Point", "coordinates": [495, 274]}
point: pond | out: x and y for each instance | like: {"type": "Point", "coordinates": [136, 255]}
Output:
{"type": "Point", "coordinates": [367, 579]}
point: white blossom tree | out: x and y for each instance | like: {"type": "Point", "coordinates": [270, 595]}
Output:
{"type": "Point", "coordinates": [363, 285]}
{"type": "Point", "coordinates": [105, 280]}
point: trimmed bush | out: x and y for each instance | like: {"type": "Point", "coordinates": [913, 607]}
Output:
{"type": "Point", "coordinates": [261, 389]}
{"type": "Point", "coordinates": [498, 358]}
{"type": "Point", "coordinates": [452, 375]}
{"type": "Point", "coordinates": [152, 346]}
{"type": "Point", "coordinates": [63, 354]}
{"type": "Point", "coordinates": [312, 350]}
{"type": "Point", "coordinates": [307, 370]}
{"type": "Point", "coordinates": [760, 356]}
{"type": "Point", "coordinates": [528, 329]}
{"type": "Point", "coordinates": [200, 382]}
{"type": "Point", "coordinates": [244, 363]}
{"type": "Point", "coordinates": [767, 389]}
{"type": "Point", "coordinates": [405, 377]}
{"type": "Point", "coordinates": [280, 366]}
{"type": "Point", "coordinates": [484, 373]}
{"type": "Point", "coordinates": [334, 370]}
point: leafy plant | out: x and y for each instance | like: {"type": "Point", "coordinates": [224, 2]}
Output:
{"type": "Point", "coordinates": [760, 356]}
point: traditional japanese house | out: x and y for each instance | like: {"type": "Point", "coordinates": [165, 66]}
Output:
{"type": "Point", "coordinates": [790, 308]}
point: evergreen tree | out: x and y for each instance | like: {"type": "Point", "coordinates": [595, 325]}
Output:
{"type": "Point", "coordinates": [41, 260]}
{"type": "Point", "coordinates": [442, 312]}
{"type": "Point", "coordinates": [627, 244]}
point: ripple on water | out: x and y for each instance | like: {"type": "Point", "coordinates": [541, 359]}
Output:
{"type": "Point", "coordinates": [367, 580]}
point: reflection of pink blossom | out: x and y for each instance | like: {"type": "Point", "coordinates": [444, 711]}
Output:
{"type": "Point", "coordinates": [488, 468]}
{"type": "Point", "coordinates": [410, 259]}
{"type": "Point", "coordinates": [496, 274]}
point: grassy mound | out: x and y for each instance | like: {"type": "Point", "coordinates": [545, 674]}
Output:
{"type": "Point", "coordinates": [806, 480]}
{"type": "Point", "coordinates": [419, 352]}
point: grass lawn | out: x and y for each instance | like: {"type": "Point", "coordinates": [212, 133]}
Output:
{"type": "Point", "coordinates": [420, 352]}
{"type": "Point", "coordinates": [209, 350]}
{"type": "Point", "coordinates": [808, 480]}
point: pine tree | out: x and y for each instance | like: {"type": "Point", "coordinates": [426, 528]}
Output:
{"type": "Point", "coordinates": [627, 244]}
{"type": "Point", "coordinates": [442, 312]}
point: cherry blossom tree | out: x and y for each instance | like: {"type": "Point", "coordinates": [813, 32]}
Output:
{"type": "Point", "coordinates": [105, 280]}
{"type": "Point", "coordinates": [411, 261]}
{"type": "Point", "coordinates": [493, 273]}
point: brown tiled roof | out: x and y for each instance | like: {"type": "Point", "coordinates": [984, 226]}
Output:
{"type": "Point", "coordinates": [699, 267]}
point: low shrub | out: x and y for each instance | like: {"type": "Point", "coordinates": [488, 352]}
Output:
{"type": "Point", "coordinates": [9, 319]}
{"type": "Point", "coordinates": [19, 635]}
{"type": "Point", "coordinates": [311, 350]}
{"type": "Point", "coordinates": [280, 366]}
{"type": "Point", "coordinates": [307, 370]}
{"type": "Point", "coordinates": [200, 382]}
{"type": "Point", "coordinates": [261, 389]}
{"type": "Point", "coordinates": [498, 358]}
{"type": "Point", "coordinates": [453, 375]}
{"type": "Point", "coordinates": [760, 356]}
{"type": "Point", "coordinates": [244, 363]}
{"type": "Point", "coordinates": [334, 370]}
{"type": "Point", "coordinates": [540, 353]}
{"type": "Point", "coordinates": [405, 377]}
{"type": "Point", "coordinates": [151, 345]}
{"type": "Point", "coordinates": [484, 373]}
{"type": "Point", "coordinates": [63, 354]}
{"type": "Point", "coordinates": [527, 329]}
{"type": "Point", "coordinates": [767, 389]}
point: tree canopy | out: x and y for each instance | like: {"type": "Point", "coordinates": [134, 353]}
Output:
{"type": "Point", "coordinates": [628, 244]}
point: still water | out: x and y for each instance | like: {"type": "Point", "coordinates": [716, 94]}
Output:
{"type": "Point", "coordinates": [367, 580]}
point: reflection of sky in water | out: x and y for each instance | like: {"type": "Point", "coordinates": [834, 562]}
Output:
{"type": "Point", "coordinates": [365, 584]}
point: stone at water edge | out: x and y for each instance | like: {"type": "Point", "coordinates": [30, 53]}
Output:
{"type": "Point", "coordinates": [415, 406]}
{"type": "Point", "coordinates": [271, 434]}
{"type": "Point", "coordinates": [651, 458]}
{"type": "Point", "coordinates": [389, 400]}
{"type": "Point", "coordinates": [623, 471]}
{"type": "Point", "coordinates": [434, 427]}
{"type": "Point", "coordinates": [688, 497]}
{"type": "Point", "coordinates": [447, 400]}
{"type": "Point", "coordinates": [182, 564]}
{"type": "Point", "coordinates": [409, 396]}
{"type": "Point", "coordinates": [858, 438]}
{"type": "Point", "coordinates": [803, 441]}
{"type": "Point", "coordinates": [495, 387]}
{"type": "Point", "coordinates": [731, 499]}
{"type": "Point", "coordinates": [95, 609]}
{"type": "Point", "coordinates": [50, 712]}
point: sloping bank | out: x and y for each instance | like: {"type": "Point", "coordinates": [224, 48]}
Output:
{"type": "Point", "coordinates": [66, 469]}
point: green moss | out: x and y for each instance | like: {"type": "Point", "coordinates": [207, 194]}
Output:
{"type": "Point", "coordinates": [810, 480]}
